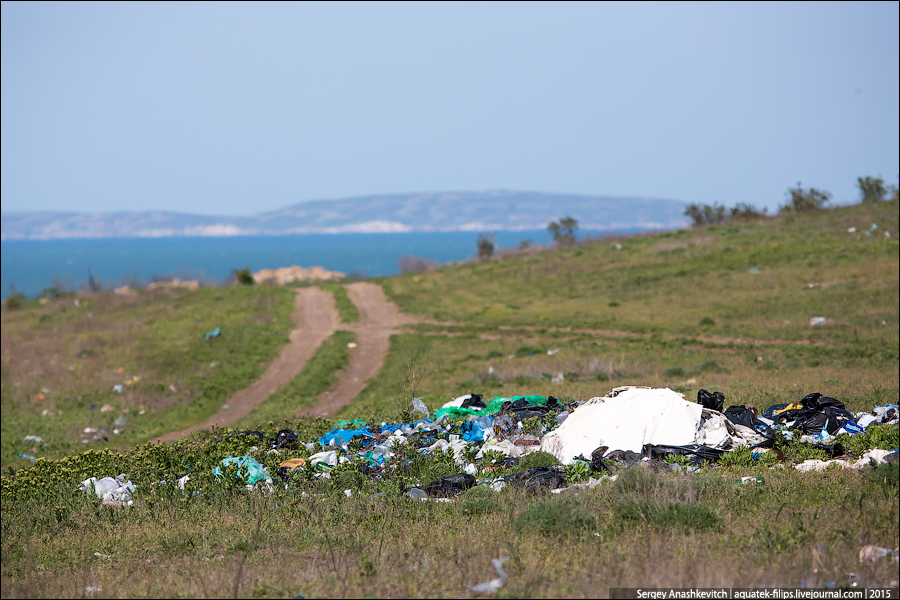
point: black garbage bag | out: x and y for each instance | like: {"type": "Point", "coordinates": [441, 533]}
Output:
{"type": "Point", "coordinates": [696, 452]}
{"type": "Point", "coordinates": [538, 479]}
{"type": "Point", "coordinates": [553, 405]}
{"type": "Point", "coordinates": [452, 485]}
{"type": "Point", "coordinates": [474, 401]}
{"type": "Point", "coordinates": [371, 471]}
{"type": "Point", "coordinates": [712, 401]}
{"type": "Point", "coordinates": [833, 450]}
{"type": "Point", "coordinates": [742, 415]}
{"type": "Point", "coordinates": [829, 418]}
{"type": "Point", "coordinates": [623, 456]}
{"type": "Point", "coordinates": [597, 463]}
{"type": "Point", "coordinates": [286, 439]}
{"type": "Point", "coordinates": [811, 400]}
{"type": "Point", "coordinates": [283, 473]}
{"type": "Point", "coordinates": [817, 401]}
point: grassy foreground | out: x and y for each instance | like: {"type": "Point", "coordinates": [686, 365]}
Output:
{"type": "Point", "coordinates": [726, 308]}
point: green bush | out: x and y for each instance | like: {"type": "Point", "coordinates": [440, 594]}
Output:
{"type": "Point", "coordinates": [244, 276]}
{"type": "Point", "coordinates": [537, 459]}
{"type": "Point", "coordinates": [15, 302]}
{"type": "Point", "coordinates": [674, 372]}
{"type": "Point", "coordinates": [480, 506]}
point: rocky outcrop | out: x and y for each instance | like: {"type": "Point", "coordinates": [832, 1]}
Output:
{"type": "Point", "coordinates": [294, 273]}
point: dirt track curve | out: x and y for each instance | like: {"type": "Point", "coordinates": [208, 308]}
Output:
{"type": "Point", "coordinates": [317, 319]}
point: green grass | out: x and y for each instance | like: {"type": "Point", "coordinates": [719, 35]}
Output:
{"type": "Point", "coordinates": [78, 353]}
{"type": "Point", "coordinates": [345, 307]}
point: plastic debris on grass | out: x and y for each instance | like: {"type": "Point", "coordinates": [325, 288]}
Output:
{"type": "Point", "coordinates": [495, 584]}
{"type": "Point", "coordinates": [487, 441]}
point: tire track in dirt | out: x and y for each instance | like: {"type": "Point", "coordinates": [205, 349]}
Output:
{"type": "Point", "coordinates": [379, 319]}
{"type": "Point", "coordinates": [317, 318]}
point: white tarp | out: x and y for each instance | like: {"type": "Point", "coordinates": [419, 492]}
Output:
{"type": "Point", "coordinates": [626, 419]}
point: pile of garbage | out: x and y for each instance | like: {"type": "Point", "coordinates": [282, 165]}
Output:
{"type": "Point", "coordinates": [627, 425]}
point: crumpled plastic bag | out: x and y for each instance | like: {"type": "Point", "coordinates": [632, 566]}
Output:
{"type": "Point", "coordinates": [248, 467]}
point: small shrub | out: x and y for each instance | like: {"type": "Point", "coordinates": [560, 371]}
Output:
{"type": "Point", "coordinates": [537, 459]}
{"type": "Point", "coordinates": [243, 276]}
{"type": "Point", "coordinates": [493, 354]}
{"type": "Point", "coordinates": [480, 506]}
{"type": "Point", "coordinates": [15, 302]}
{"type": "Point", "coordinates": [712, 366]}
{"type": "Point", "coordinates": [601, 377]}
{"type": "Point", "coordinates": [674, 372]}
{"type": "Point", "coordinates": [707, 322]}
{"type": "Point", "coordinates": [556, 516]}
{"type": "Point", "coordinates": [739, 456]}
{"type": "Point", "coordinates": [636, 480]}
{"type": "Point", "coordinates": [887, 476]}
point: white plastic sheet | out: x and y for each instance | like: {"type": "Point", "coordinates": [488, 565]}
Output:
{"type": "Point", "coordinates": [626, 419]}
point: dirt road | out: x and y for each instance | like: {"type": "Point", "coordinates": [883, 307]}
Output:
{"type": "Point", "coordinates": [317, 319]}
{"type": "Point", "coordinates": [379, 318]}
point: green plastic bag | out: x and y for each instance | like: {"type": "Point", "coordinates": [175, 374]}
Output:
{"type": "Point", "coordinates": [249, 469]}
{"type": "Point", "coordinates": [492, 407]}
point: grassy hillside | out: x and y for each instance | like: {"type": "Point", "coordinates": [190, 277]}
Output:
{"type": "Point", "coordinates": [726, 308]}
{"type": "Point", "coordinates": [62, 358]}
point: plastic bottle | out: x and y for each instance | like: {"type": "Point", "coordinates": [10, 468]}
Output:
{"type": "Point", "coordinates": [27, 457]}
{"type": "Point", "coordinates": [746, 480]}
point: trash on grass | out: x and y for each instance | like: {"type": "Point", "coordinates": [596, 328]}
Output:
{"type": "Point", "coordinates": [495, 584]}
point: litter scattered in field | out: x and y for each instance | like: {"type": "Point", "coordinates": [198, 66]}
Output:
{"type": "Point", "coordinates": [581, 442]}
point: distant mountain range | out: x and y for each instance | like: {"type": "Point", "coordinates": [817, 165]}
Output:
{"type": "Point", "coordinates": [496, 210]}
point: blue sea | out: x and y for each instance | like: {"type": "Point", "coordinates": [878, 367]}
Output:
{"type": "Point", "coordinates": [30, 266]}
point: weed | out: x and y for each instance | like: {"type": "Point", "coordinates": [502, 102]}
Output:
{"type": "Point", "coordinates": [556, 516]}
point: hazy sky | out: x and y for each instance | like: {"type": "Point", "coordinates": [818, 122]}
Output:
{"type": "Point", "coordinates": [239, 108]}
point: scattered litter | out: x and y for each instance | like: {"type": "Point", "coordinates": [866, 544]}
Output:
{"type": "Point", "coordinates": [249, 469]}
{"type": "Point", "coordinates": [108, 488]}
{"type": "Point", "coordinates": [98, 555]}
{"type": "Point", "coordinates": [118, 388]}
{"type": "Point", "coordinates": [872, 553]}
{"type": "Point", "coordinates": [28, 457]}
{"type": "Point", "coordinates": [91, 589]}
{"type": "Point", "coordinates": [351, 345]}
{"type": "Point", "coordinates": [419, 406]}
{"type": "Point", "coordinates": [753, 271]}
{"type": "Point", "coordinates": [495, 584]}
{"type": "Point", "coordinates": [851, 230]}
{"type": "Point", "coordinates": [214, 333]}
{"type": "Point", "coordinates": [821, 321]}
{"type": "Point", "coordinates": [34, 438]}
{"type": "Point", "coordinates": [107, 407]}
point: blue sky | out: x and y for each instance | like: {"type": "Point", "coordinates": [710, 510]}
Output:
{"type": "Point", "coordinates": [240, 108]}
